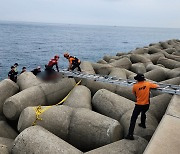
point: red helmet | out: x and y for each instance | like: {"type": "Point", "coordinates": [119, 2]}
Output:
{"type": "Point", "coordinates": [66, 54]}
{"type": "Point", "coordinates": [56, 56]}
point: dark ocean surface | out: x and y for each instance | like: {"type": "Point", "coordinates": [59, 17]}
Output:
{"type": "Point", "coordinates": [33, 44]}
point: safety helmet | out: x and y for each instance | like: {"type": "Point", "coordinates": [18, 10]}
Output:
{"type": "Point", "coordinates": [56, 56]}
{"type": "Point", "coordinates": [66, 54]}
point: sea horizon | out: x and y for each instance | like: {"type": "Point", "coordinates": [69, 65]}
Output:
{"type": "Point", "coordinates": [80, 24]}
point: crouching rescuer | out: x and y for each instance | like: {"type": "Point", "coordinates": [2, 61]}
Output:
{"type": "Point", "coordinates": [50, 72]}
{"type": "Point", "coordinates": [73, 62]}
{"type": "Point", "coordinates": [141, 89]}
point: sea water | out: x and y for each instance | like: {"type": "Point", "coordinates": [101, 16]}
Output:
{"type": "Point", "coordinates": [34, 44]}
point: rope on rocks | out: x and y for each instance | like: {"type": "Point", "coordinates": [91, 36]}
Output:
{"type": "Point", "coordinates": [39, 110]}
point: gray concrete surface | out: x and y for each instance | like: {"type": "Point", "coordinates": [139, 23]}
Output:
{"type": "Point", "coordinates": [27, 80]}
{"type": "Point", "coordinates": [168, 63]}
{"type": "Point", "coordinates": [3, 149]}
{"type": "Point", "coordinates": [122, 63]}
{"type": "Point", "coordinates": [136, 58]}
{"type": "Point", "coordinates": [158, 105]}
{"type": "Point", "coordinates": [86, 67]}
{"type": "Point", "coordinates": [7, 131]}
{"type": "Point", "coordinates": [83, 128]}
{"type": "Point", "coordinates": [111, 104]}
{"type": "Point", "coordinates": [166, 138]}
{"type": "Point", "coordinates": [7, 142]}
{"type": "Point", "coordinates": [138, 68]}
{"type": "Point", "coordinates": [7, 89]}
{"type": "Point", "coordinates": [37, 140]}
{"type": "Point", "coordinates": [156, 75]}
{"type": "Point", "coordinates": [80, 97]}
{"type": "Point", "coordinates": [123, 146]}
{"type": "Point", "coordinates": [151, 125]}
{"type": "Point", "coordinates": [44, 94]}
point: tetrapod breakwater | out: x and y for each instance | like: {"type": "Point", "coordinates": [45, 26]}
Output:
{"type": "Point", "coordinates": [74, 115]}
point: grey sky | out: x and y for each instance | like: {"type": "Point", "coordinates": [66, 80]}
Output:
{"type": "Point", "coordinates": [141, 13]}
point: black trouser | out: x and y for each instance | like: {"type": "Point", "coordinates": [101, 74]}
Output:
{"type": "Point", "coordinates": [74, 65]}
{"type": "Point", "coordinates": [137, 110]}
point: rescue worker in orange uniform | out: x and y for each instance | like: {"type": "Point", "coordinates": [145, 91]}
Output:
{"type": "Point", "coordinates": [73, 62]}
{"type": "Point", "coordinates": [142, 92]}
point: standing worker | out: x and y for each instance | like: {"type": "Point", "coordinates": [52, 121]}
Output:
{"type": "Point", "coordinates": [142, 92]}
{"type": "Point", "coordinates": [73, 62]}
{"type": "Point", "coordinates": [12, 74]}
{"type": "Point", "coordinates": [15, 68]}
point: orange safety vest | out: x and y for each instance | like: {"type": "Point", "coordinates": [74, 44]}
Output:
{"type": "Point", "coordinates": [142, 91]}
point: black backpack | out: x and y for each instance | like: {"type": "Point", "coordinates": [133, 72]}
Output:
{"type": "Point", "coordinates": [75, 61]}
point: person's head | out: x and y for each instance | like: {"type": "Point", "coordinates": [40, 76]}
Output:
{"type": "Point", "coordinates": [66, 55]}
{"type": "Point", "coordinates": [24, 69]}
{"type": "Point", "coordinates": [39, 68]}
{"type": "Point", "coordinates": [16, 64]}
{"type": "Point", "coordinates": [56, 57]}
{"type": "Point", "coordinates": [12, 67]}
{"type": "Point", "coordinates": [139, 77]}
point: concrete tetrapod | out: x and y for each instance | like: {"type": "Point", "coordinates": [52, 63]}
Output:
{"type": "Point", "coordinates": [80, 97]}
{"type": "Point", "coordinates": [87, 67]}
{"type": "Point", "coordinates": [151, 67]}
{"type": "Point", "coordinates": [111, 104]}
{"type": "Point", "coordinates": [125, 91]}
{"type": "Point", "coordinates": [156, 75]}
{"type": "Point", "coordinates": [165, 45]}
{"type": "Point", "coordinates": [80, 127]}
{"type": "Point", "coordinates": [44, 94]}
{"type": "Point", "coordinates": [151, 124]}
{"type": "Point", "coordinates": [175, 81]}
{"type": "Point", "coordinates": [155, 49]}
{"type": "Point", "coordinates": [37, 140]}
{"type": "Point", "coordinates": [8, 142]}
{"type": "Point", "coordinates": [166, 138]}
{"type": "Point", "coordinates": [122, 63]}
{"type": "Point", "coordinates": [107, 58]}
{"type": "Point", "coordinates": [168, 63]}
{"type": "Point", "coordinates": [101, 61]}
{"type": "Point", "coordinates": [89, 130]}
{"type": "Point", "coordinates": [140, 51]}
{"type": "Point", "coordinates": [136, 58]}
{"type": "Point", "coordinates": [158, 105]}
{"type": "Point", "coordinates": [27, 79]}
{"type": "Point", "coordinates": [123, 146]}
{"type": "Point", "coordinates": [3, 149]}
{"type": "Point", "coordinates": [7, 131]}
{"type": "Point", "coordinates": [173, 108]}
{"type": "Point", "coordinates": [154, 57]}
{"type": "Point", "coordinates": [138, 68]}
{"type": "Point", "coordinates": [103, 69]}
{"type": "Point", "coordinates": [118, 73]}
{"type": "Point", "coordinates": [94, 86]}
{"type": "Point", "coordinates": [173, 57]}
{"type": "Point", "coordinates": [169, 73]}
{"type": "Point", "coordinates": [7, 89]}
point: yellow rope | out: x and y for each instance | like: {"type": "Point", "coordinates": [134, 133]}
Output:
{"type": "Point", "coordinates": [39, 110]}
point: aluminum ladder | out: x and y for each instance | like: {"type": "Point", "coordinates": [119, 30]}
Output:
{"type": "Point", "coordinates": [165, 88]}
